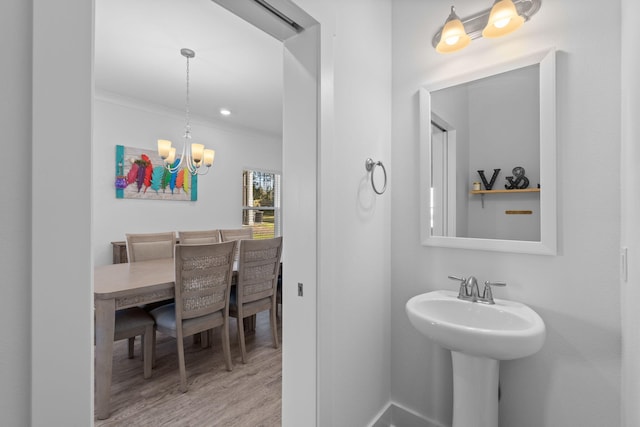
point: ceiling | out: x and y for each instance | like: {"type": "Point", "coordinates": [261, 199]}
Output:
{"type": "Point", "coordinates": [236, 66]}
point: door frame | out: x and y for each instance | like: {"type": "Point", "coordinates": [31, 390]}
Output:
{"type": "Point", "coordinates": [300, 194]}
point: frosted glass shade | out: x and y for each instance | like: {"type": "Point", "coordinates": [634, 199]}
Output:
{"type": "Point", "coordinates": [454, 37]}
{"type": "Point", "coordinates": [503, 19]}
{"type": "Point", "coordinates": [197, 151]}
{"type": "Point", "coordinates": [164, 146]}
{"type": "Point", "coordinates": [171, 157]}
{"type": "Point", "coordinates": [209, 155]}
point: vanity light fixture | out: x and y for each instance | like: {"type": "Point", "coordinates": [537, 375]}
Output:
{"type": "Point", "coordinates": [193, 155]}
{"type": "Point", "coordinates": [504, 17]}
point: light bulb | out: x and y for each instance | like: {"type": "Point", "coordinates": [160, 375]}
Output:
{"type": "Point", "coordinates": [452, 40]}
{"type": "Point", "coordinates": [501, 23]}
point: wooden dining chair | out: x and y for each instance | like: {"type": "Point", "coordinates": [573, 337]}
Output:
{"type": "Point", "coordinates": [133, 322]}
{"type": "Point", "coordinates": [236, 234]}
{"type": "Point", "coordinates": [202, 286]}
{"type": "Point", "coordinates": [256, 287]}
{"type": "Point", "coordinates": [145, 247]}
{"type": "Point", "coordinates": [199, 237]}
{"type": "Point", "coordinates": [129, 323]}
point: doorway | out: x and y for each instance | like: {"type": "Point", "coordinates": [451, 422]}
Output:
{"type": "Point", "coordinates": [443, 194]}
{"type": "Point", "coordinates": [300, 69]}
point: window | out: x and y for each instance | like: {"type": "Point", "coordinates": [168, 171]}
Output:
{"type": "Point", "coordinates": [261, 203]}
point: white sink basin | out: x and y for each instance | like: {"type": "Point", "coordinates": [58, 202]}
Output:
{"type": "Point", "coordinates": [503, 331]}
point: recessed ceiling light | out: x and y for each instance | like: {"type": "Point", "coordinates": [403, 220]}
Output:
{"type": "Point", "coordinates": [225, 112]}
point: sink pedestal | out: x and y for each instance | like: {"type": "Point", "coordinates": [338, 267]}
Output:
{"type": "Point", "coordinates": [475, 390]}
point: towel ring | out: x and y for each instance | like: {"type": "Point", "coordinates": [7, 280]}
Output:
{"type": "Point", "coordinates": [370, 165]}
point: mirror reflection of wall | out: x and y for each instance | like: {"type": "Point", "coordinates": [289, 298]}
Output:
{"type": "Point", "coordinates": [496, 121]}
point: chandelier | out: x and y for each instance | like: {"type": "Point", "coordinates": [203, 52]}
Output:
{"type": "Point", "coordinates": [193, 155]}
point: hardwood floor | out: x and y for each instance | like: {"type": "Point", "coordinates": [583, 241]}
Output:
{"type": "Point", "coordinates": [248, 396]}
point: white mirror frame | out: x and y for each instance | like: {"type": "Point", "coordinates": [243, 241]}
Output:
{"type": "Point", "coordinates": [548, 217]}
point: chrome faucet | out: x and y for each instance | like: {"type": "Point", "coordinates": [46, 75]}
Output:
{"type": "Point", "coordinates": [469, 290]}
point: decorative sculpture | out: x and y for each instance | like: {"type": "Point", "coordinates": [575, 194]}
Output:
{"type": "Point", "coordinates": [489, 185]}
{"type": "Point", "coordinates": [520, 181]}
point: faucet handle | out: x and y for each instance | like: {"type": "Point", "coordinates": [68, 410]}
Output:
{"type": "Point", "coordinates": [487, 294]}
{"type": "Point", "coordinates": [462, 292]}
{"type": "Point", "coordinates": [488, 283]}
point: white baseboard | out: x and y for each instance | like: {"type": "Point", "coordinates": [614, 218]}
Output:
{"type": "Point", "coordinates": [396, 416]}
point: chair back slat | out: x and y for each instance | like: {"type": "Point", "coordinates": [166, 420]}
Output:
{"type": "Point", "coordinates": [199, 237]}
{"type": "Point", "coordinates": [236, 234]}
{"type": "Point", "coordinates": [203, 278]}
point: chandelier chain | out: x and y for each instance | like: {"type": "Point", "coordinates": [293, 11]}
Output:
{"type": "Point", "coordinates": [187, 133]}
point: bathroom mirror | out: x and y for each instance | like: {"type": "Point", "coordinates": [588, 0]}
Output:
{"type": "Point", "coordinates": [501, 117]}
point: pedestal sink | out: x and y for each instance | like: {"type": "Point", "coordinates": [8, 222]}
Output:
{"type": "Point", "coordinates": [479, 336]}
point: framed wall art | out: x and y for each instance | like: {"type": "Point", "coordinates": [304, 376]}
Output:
{"type": "Point", "coordinates": [140, 174]}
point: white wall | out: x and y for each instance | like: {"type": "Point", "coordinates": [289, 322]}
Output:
{"type": "Point", "coordinates": [120, 121]}
{"type": "Point", "coordinates": [15, 210]}
{"type": "Point", "coordinates": [61, 256]}
{"type": "Point", "coordinates": [354, 277]}
{"type": "Point", "coordinates": [630, 212]}
{"type": "Point", "coordinates": [575, 378]}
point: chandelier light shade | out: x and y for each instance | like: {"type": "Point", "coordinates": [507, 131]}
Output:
{"type": "Point", "coordinates": [504, 17]}
{"type": "Point", "coordinates": [194, 155]}
{"type": "Point", "coordinates": [164, 148]}
{"type": "Point", "coordinates": [453, 37]}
